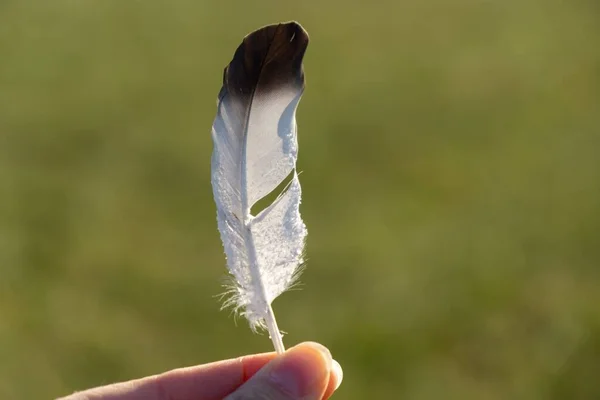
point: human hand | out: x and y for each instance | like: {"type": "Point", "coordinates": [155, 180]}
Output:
{"type": "Point", "coordinates": [305, 372]}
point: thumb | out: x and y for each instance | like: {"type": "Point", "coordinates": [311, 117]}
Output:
{"type": "Point", "coordinates": [304, 372]}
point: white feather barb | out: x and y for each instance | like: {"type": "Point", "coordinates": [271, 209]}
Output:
{"type": "Point", "coordinates": [255, 150]}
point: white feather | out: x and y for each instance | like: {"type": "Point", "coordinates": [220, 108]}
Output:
{"type": "Point", "coordinates": [255, 149]}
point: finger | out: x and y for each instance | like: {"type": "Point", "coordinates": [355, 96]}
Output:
{"type": "Point", "coordinates": [211, 381]}
{"type": "Point", "coordinates": [303, 372]}
{"type": "Point", "coordinates": [335, 379]}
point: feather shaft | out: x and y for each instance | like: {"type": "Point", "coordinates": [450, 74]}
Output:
{"type": "Point", "coordinates": [269, 316]}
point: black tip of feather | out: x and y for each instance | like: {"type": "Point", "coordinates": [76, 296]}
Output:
{"type": "Point", "coordinates": [267, 59]}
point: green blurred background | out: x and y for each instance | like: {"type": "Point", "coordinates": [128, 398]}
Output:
{"type": "Point", "coordinates": [451, 182]}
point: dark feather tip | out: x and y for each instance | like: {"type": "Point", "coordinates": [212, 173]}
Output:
{"type": "Point", "coordinates": [267, 59]}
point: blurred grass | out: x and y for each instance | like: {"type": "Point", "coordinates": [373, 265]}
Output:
{"type": "Point", "coordinates": [451, 190]}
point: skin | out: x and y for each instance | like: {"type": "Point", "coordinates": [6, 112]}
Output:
{"type": "Point", "coordinates": [305, 372]}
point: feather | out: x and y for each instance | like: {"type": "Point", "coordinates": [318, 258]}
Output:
{"type": "Point", "coordinates": [255, 149]}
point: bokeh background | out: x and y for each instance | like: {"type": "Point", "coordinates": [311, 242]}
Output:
{"type": "Point", "coordinates": [451, 182]}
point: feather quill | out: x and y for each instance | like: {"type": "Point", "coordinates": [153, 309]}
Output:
{"type": "Point", "coordinates": [255, 149]}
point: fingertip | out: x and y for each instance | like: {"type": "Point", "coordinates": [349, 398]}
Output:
{"type": "Point", "coordinates": [314, 347]}
{"type": "Point", "coordinates": [303, 370]}
{"type": "Point", "coordinates": [338, 373]}
{"type": "Point", "coordinates": [335, 374]}
{"type": "Point", "coordinates": [335, 379]}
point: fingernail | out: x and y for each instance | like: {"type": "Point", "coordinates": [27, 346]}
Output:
{"type": "Point", "coordinates": [302, 369]}
{"type": "Point", "coordinates": [336, 369]}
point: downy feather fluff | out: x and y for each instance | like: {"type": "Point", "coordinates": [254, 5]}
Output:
{"type": "Point", "coordinates": [255, 150]}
